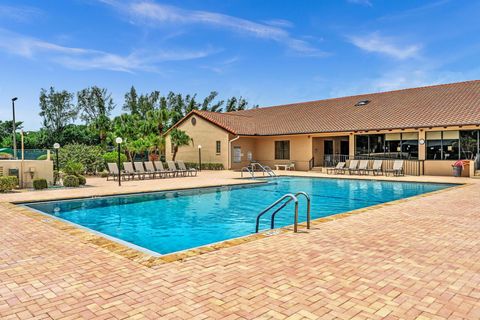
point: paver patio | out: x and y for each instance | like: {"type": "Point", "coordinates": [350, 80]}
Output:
{"type": "Point", "coordinates": [415, 259]}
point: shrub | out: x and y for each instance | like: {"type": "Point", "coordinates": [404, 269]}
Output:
{"type": "Point", "coordinates": [5, 155]}
{"type": "Point", "coordinates": [8, 183]}
{"type": "Point", "coordinates": [89, 156]}
{"type": "Point", "coordinates": [73, 168]}
{"type": "Point", "coordinates": [40, 184]}
{"type": "Point", "coordinates": [71, 181]}
{"type": "Point", "coordinates": [42, 157]}
{"type": "Point", "coordinates": [112, 157]}
{"type": "Point", "coordinates": [82, 180]}
{"type": "Point", "coordinates": [205, 166]}
{"type": "Point", "coordinates": [104, 174]}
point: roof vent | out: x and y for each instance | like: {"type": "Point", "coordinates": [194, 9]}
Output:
{"type": "Point", "coordinates": [362, 103]}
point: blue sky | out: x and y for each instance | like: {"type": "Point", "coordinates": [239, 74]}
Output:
{"type": "Point", "coordinates": [270, 52]}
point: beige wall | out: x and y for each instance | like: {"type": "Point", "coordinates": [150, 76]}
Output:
{"type": "Point", "coordinates": [203, 133]}
{"type": "Point", "coordinates": [247, 144]}
{"type": "Point", "coordinates": [31, 169]}
{"type": "Point", "coordinates": [443, 168]}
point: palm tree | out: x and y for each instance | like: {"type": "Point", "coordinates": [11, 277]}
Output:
{"type": "Point", "coordinates": [178, 138]}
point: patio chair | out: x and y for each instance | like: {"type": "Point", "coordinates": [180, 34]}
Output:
{"type": "Point", "coordinates": [362, 167]}
{"type": "Point", "coordinates": [339, 168]}
{"type": "Point", "coordinates": [397, 169]}
{"type": "Point", "coordinates": [150, 168]}
{"type": "Point", "coordinates": [162, 170]}
{"type": "Point", "coordinates": [191, 171]}
{"type": "Point", "coordinates": [130, 171]}
{"type": "Point", "coordinates": [172, 167]}
{"type": "Point", "coordinates": [376, 168]}
{"type": "Point", "coordinates": [291, 166]}
{"type": "Point", "coordinates": [114, 172]}
{"type": "Point", "coordinates": [141, 169]}
{"type": "Point", "coordinates": [352, 166]}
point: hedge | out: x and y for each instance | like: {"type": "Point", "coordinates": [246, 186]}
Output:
{"type": "Point", "coordinates": [205, 166]}
{"type": "Point", "coordinates": [112, 157]}
{"type": "Point", "coordinates": [89, 156]}
{"type": "Point", "coordinates": [82, 180]}
{"type": "Point", "coordinates": [39, 184]}
{"type": "Point", "coordinates": [71, 182]}
{"type": "Point", "coordinates": [42, 157]}
{"type": "Point", "coordinates": [8, 183]}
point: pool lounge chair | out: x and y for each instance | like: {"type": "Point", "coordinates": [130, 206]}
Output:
{"type": "Point", "coordinates": [376, 168]}
{"type": "Point", "coordinates": [165, 172]}
{"type": "Point", "coordinates": [129, 170]}
{"type": "Point", "coordinates": [352, 166]}
{"type": "Point", "coordinates": [191, 171]}
{"type": "Point", "coordinates": [141, 169]}
{"type": "Point", "coordinates": [150, 168]}
{"type": "Point", "coordinates": [113, 171]}
{"type": "Point", "coordinates": [362, 167]}
{"type": "Point", "coordinates": [397, 169]}
{"type": "Point", "coordinates": [339, 168]}
{"type": "Point", "coordinates": [173, 168]}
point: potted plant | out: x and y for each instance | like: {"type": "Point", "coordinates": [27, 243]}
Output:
{"type": "Point", "coordinates": [458, 167]}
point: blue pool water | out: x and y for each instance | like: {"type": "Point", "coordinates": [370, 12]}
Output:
{"type": "Point", "coordinates": [166, 222]}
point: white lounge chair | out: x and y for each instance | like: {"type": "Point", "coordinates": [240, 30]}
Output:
{"type": "Point", "coordinates": [362, 167]}
{"type": "Point", "coordinates": [397, 169]}
{"type": "Point", "coordinates": [352, 166]}
{"type": "Point", "coordinates": [339, 168]}
{"type": "Point", "coordinates": [376, 168]}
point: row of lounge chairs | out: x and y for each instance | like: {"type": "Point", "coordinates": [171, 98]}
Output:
{"type": "Point", "coordinates": [149, 169]}
{"type": "Point", "coordinates": [362, 167]}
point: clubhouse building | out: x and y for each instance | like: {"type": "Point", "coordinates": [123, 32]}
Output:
{"type": "Point", "coordinates": [429, 127]}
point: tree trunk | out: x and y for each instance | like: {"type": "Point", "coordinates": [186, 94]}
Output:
{"type": "Point", "coordinates": [175, 149]}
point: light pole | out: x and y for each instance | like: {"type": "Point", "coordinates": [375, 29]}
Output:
{"type": "Point", "coordinates": [119, 141]}
{"type": "Point", "coordinates": [56, 146]}
{"type": "Point", "coordinates": [199, 158]}
{"type": "Point", "coordinates": [14, 130]}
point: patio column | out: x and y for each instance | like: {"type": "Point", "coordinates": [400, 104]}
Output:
{"type": "Point", "coordinates": [422, 148]}
{"type": "Point", "coordinates": [351, 145]}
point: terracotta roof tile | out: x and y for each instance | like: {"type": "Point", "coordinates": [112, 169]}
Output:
{"type": "Point", "coordinates": [433, 106]}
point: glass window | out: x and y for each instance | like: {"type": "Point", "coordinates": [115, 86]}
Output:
{"type": "Point", "coordinates": [282, 150]}
{"type": "Point", "coordinates": [237, 154]}
{"type": "Point", "coordinates": [361, 145]}
{"type": "Point", "coordinates": [218, 147]}
{"type": "Point", "coordinates": [376, 145]}
{"type": "Point", "coordinates": [469, 144]}
{"type": "Point", "coordinates": [443, 145]}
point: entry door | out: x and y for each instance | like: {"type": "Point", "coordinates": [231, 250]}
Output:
{"type": "Point", "coordinates": [237, 154]}
{"type": "Point", "coordinates": [344, 147]}
{"type": "Point", "coordinates": [328, 153]}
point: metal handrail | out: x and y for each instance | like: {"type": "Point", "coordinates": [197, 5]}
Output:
{"type": "Point", "coordinates": [288, 195]}
{"type": "Point", "coordinates": [292, 197]}
{"type": "Point", "coordinates": [301, 193]}
{"type": "Point", "coordinates": [265, 169]}
{"type": "Point", "coordinates": [247, 169]}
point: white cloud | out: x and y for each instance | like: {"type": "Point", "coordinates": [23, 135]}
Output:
{"type": "Point", "coordinates": [155, 14]}
{"type": "Point", "coordinates": [81, 58]}
{"type": "Point", "coordinates": [374, 42]}
{"type": "Point", "coordinates": [19, 13]}
{"type": "Point", "coordinates": [362, 2]}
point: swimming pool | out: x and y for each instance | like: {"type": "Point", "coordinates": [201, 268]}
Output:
{"type": "Point", "coordinates": [166, 222]}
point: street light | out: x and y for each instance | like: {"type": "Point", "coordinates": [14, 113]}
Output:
{"type": "Point", "coordinates": [14, 130]}
{"type": "Point", "coordinates": [199, 158]}
{"type": "Point", "coordinates": [119, 141]}
{"type": "Point", "coordinates": [56, 146]}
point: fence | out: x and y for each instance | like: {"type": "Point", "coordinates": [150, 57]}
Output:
{"type": "Point", "coordinates": [410, 167]}
{"type": "Point", "coordinates": [29, 154]}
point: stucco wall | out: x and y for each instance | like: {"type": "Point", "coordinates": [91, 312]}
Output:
{"type": "Point", "coordinates": [39, 168]}
{"type": "Point", "coordinates": [247, 144]}
{"type": "Point", "coordinates": [442, 168]}
{"type": "Point", "coordinates": [205, 134]}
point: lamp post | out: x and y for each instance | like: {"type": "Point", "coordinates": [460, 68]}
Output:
{"type": "Point", "coordinates": [199, 158]}
{"type": "Point", "coordinates": [14, 130]}
{"type": "Point", "coordinates": [119, 141]}
{"type": "Point", "coordinates": [56, 146]}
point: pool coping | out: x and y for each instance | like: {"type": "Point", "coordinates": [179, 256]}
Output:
{"type": "Point", "coordinates": [145, 257]}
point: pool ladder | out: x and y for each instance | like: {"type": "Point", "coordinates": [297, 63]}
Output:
{"type": "Point", "coordinates": [250, 169]}
{"type": "Point", "coordinates": [281, 201]}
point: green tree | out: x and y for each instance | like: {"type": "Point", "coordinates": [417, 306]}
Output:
{"type": "Point", "coordinates": [208, 104]}
{"type": "Point", "coordinates": [95, 105]}
{"type": "Point", "coordinates": [236, 104]}
{"type": "Point", "coordinates": [131, 101]}
{"type": "Point", "coordinates": [57, 111]}
{"type": "Point", "coordinates": [178, 139]}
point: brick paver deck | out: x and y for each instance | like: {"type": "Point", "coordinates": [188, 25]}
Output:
{"type": "Point", "coordinates": [418, 259]}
